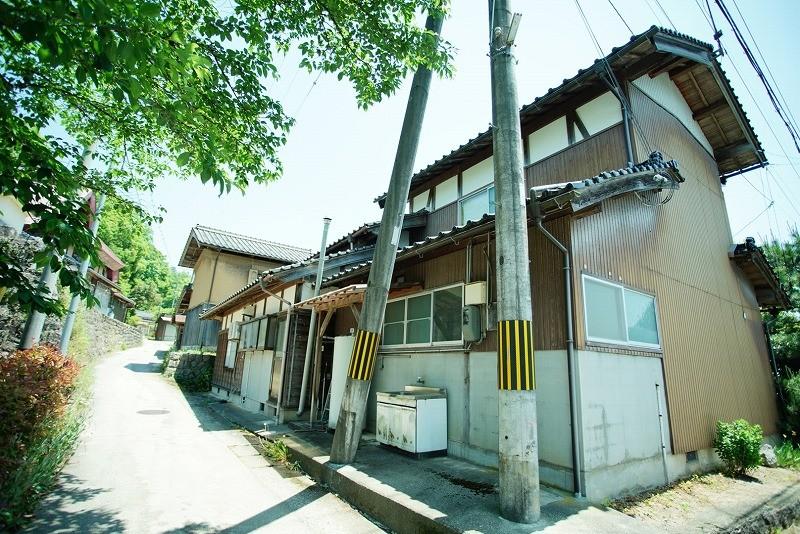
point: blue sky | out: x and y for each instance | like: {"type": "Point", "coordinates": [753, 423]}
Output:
{"type": "Point", "coordinates": [339, 158]}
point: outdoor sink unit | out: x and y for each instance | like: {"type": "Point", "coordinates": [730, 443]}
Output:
{"type": "Point", "coordinates": [414, 419]}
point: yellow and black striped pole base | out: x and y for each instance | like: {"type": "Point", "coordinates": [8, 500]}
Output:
{"type": "Point", "coordinates": [515, 360]}
{"type": "Point", "coordinates": [362, 360]}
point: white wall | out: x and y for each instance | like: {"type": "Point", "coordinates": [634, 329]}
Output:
{"type": "Point", "coordinates": [420, 201]}
{"type": "Point", "coordinates": [471, 383]}
{"type": "Point", "coordinates": [664, 91]}
{"type": "Point", "coordinates": [621, 438]}
{"type": "Point", "coordinates": [600, 113]}
{"type": "Point", "coordinates": [477, 176]}
{"type": "Point", "coordinates": [446, 192]}
{"type": "Point", "coordinates": [548, 140]}
{"type": "Point", "coordinates": [11, 213]}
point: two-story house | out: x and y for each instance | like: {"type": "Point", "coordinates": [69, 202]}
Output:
{"type": "Point", "coordinates": [221, 263]}
{"type": "Point", "coordinates": [646, 314]}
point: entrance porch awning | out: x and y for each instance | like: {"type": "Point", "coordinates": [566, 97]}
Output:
{"type": "Point", "coordinates": [333, 300]}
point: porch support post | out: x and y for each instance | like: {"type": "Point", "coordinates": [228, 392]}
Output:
{"type": "Point", "coordinates": [362, 360]}
{"type": "Point", "coordinates": [518, 454]}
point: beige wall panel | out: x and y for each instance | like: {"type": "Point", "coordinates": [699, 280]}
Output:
{"type": "Point", "coordinates": [231, 275]}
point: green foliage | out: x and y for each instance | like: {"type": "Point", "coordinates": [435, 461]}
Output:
{"type": "Point", "coordinates": [788, 455]}
{"type": "Point", "coordinates": [785, 327]}
{"type": "Point", "coordinates": [146, 278]}
{"type": "Point", "coordinates": [737, 443]}
{"type": "Point", "coordinates": [180, 87]}
{"type": "Point", "coordinates": [791, 394]}
{"type": "Point", "coordinates": [276, 450]}
{"type": "Point", "coordinates": [37, 429]}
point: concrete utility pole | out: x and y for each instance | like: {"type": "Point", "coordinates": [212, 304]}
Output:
{"type": "Point", "coordinates": [32, 333]}
{"type": "Point", "coordinates": [69, 320]}
{"type": "Point", "coordinates": [312, 325]}
{"type": "Point", "coordinates": [518, 448]}
{"type": "Point", "coordinates": [362, 359]}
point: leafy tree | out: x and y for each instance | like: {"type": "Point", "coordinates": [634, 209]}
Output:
{"type": "Point", "coordinates": [785, 326]}
{"type": "Point", "coordinates": [146, 278]}
{"type": "Point", "coordinates": [170, 86]}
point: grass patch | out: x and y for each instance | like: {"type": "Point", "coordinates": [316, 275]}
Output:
{"type": "Point", "coordinates": [278, 452]}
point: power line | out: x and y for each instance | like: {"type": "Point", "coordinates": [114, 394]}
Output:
{"type": "Point", "coordinates": [742, 229]}
{"type": "Point", "coordinates": [765, 82]}
{"type": "Point", "coordinates": [766, 65]}
{"type": "Point", "coordinates": [666, 15]}
{"type": "Point", "coordinates": [620, 16]}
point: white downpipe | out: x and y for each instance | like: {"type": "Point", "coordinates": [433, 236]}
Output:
{"type": "Point", "coordinates": [312, 325]}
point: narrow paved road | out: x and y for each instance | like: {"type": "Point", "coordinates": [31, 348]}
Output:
{"type": "Point", "coordinates": [153, 460]}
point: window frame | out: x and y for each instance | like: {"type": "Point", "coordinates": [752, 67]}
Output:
{"type": "Point", "coordinates": [431, 343]}
{"type": "Point", "coordinates": [471, 194]}
{"type": "Point", "coordinates": [627, 343]}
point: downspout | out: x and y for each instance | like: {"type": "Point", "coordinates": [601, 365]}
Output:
{"type": "Point", "coordinates": [572, 369]}
{"type": "Point", "coordinates": [290, 306]}
{"type": "Point", "coordinates": [326, 222]}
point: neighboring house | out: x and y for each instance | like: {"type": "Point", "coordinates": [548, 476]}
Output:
{"type": "Point", "coordinates": [665, 307]}
{"type": "Point", "coordinates": [221, 263]}
{"type": "Point", "coordinates": [111, 301]}
{"type": "Point", "coordinates": [166, 328]}
{"type": "Point", "coordinates": [11, 213]}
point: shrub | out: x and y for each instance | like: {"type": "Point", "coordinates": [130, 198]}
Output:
{"type": "Point", "coordinates": [788, 455]}
{"type": "Point", "coordinates": [35, 388]}
{"type": "Point", "coordinates": [738, 444]}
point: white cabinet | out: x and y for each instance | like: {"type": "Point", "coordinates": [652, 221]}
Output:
{"type": "Point", "coordinates": [414, 419]}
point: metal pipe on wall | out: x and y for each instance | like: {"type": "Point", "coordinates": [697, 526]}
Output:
{"type": "Point", "coordinates": [572, 368]}
{"type": "Point", "coordinates": [326, 222]}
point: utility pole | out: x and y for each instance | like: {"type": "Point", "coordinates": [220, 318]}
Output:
{"type": "Point", "coordinates": [312, 325]}
{"type": "Point", "coordinates": [69, 320]}
{"type": "Point", "coordinates": [362, 359]}
{"type": "Point", "coordinates": [518, 449]}
{"type": "Point", "coordinates": [32, 333]}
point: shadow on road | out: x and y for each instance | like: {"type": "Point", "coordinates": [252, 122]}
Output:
{"type": "Point", "coordinates": [152, 367]}
{"type": "Point", "coordinates": [261, 519]}
{"type": "Point", "coordinates": [59, 513]}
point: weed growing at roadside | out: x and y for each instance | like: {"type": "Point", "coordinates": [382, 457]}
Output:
{"type": "Point", "coordinates": [788, 455]}
{"type": "Point", "coordinates": [738, 444]}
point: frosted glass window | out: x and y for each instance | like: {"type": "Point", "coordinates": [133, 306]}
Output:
{"type": "Point", "coordinates": [393, 334]}
{"type": "Point", "coordinates": [230, 354]}
{"type": "Point", "coordinates": [476, 205]}
{"type": "Point", "coordinates": [446, 192]}
{"type": "Point", "coordinates": [280, 334]}
{"type": "Point", "coordinates": [432, 317]}
{"type": "Point", "coordinates": [640, 313]}
{"type": "Point", "coordinates": [604, 318]}
{"type": "Point", "coordinates": [394, 323]}
{"type": "Point", "coordinates": [616, 314]}
{"type": "Point", "coordinates": [447, 314]}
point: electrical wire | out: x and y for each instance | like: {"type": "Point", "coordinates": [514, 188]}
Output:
{"type": "Point", "coordinates": [666, 15]}
{"type": "Point", "coordinates": [795, 134]}
{"type": "Point", "coordinates": [754, 219]}
{"type": "Point", "coordinates": [620, 16]}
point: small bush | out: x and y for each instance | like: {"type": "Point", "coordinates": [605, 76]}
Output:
{"type": "Point", "coordinates": [35, 437]}
{"type": "Point", "coordinates": [788, 455]}
{"type": "Point", "coordinates": [738, 444]}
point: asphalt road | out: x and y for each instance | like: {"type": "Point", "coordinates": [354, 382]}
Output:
{"type": "Point", "coordinates": [154, 460]}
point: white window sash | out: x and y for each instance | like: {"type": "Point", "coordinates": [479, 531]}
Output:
{"type": "Point", "coordinates": [627, 342]}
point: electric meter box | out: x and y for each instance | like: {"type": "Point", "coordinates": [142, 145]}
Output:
{"type": "Point", "coordinates": [471, 323]}
{"type": "Point", "coordinates": [475, 293]}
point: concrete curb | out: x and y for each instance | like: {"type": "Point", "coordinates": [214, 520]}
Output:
{"type": "Point", "coordinates": [397, 512]}
{"type": "Point", "coordinates": [778, 512]}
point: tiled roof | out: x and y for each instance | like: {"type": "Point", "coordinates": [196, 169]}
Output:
{"type": "Point", "coordinates": [483, 141]}
{"type": "Point", "coordinates": [654, 166]}
{"type": "Point", "coordinates": [206, 237]}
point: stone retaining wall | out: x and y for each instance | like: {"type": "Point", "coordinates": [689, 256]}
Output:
{"type": "Point", "coordinates": [106, 334]}
{"type": "Point", "coordinates": [192, 370]}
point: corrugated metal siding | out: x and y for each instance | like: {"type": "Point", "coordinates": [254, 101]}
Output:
{"type": "Point", "coordinates": [197, 332]}
{"type": "Point", "coordinates": [442, 219]}
{"type": "Point", "coordinates": [602, 152]}
{"type": "Point", "coordinates": [715, 360]}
